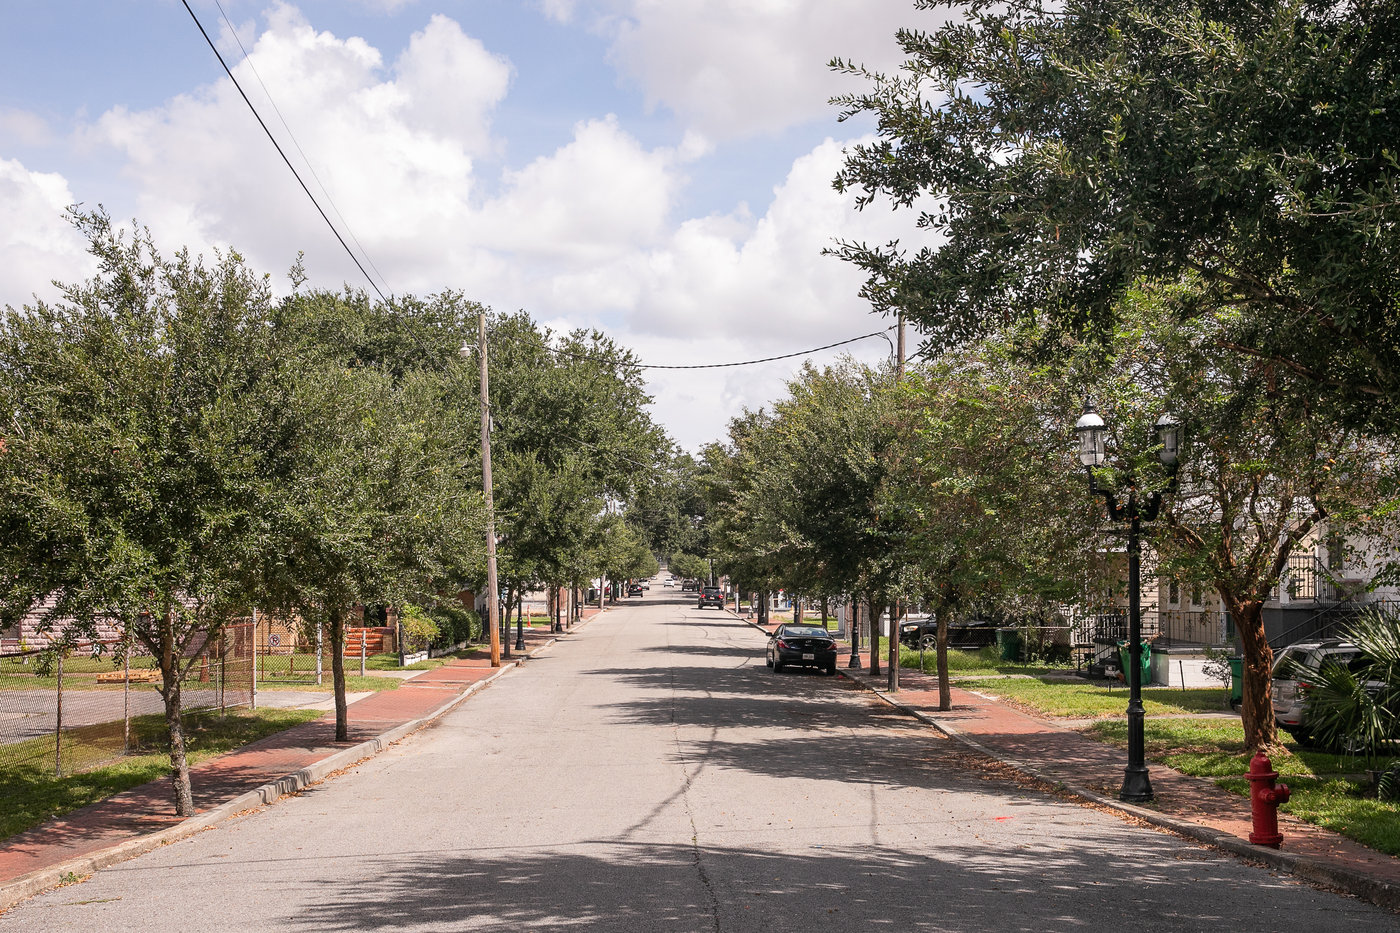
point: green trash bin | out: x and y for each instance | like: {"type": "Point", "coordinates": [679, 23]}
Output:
{"type": "Point", "coordinates": [1009, 644]}
{"type": "Point", "coordinates": [1146, 662]}
{"type": "Point", "coordinates": [1236, 681]}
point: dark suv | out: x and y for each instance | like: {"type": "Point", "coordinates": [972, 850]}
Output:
{"type": "Point", "coordinates": [711, 596]}
{"type": "Point", "coordinates": [975, 633]}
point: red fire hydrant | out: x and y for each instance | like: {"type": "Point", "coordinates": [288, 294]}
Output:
{"type": "Point", "coordinates": [1265, 796]}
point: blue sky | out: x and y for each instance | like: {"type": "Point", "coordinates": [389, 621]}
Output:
{"type": "Point", "coordinates": [659, 168]}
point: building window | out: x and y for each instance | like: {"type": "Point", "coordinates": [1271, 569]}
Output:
{"type": "Point", "coordinates": [1197, 596]}
{"type": "Point", "coordinates": [1174, 593]}
{"type": "Point", "coordinates": [1336, 553]}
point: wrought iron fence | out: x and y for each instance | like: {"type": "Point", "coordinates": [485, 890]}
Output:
{"type": "Point", "coordinates": [1191, 627]}
{"type": "Point", "coordinates": [67, 713]}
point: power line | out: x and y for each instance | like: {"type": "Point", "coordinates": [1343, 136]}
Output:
{"type": "Point", "coordinates": [766, 359]}
{"type": "Point", "coordinates": [310, 167]}
{"type": "Point", "coordinates": [278, 147]}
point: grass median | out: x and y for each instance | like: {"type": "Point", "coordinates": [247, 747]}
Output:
{"type": "Point", "coordinates": [1328, 790]}
{"type": "Point", "coordinates": [30, 794]}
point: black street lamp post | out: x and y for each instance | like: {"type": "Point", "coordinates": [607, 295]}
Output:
{"type": "Point", "coordinates": [854, 607]}
{"type": "Point", "coordinates": [1090, 428]}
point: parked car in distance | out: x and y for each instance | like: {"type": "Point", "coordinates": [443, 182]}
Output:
{"type": "Point", "coordinates": [972, 634]}
{"type": "Point", "coordinates": [690, 586]}
{"type": "Point", "coordinates": [1294, 668]}
{"type": "Point", "coordinates": [635, 589]}
{"type": "Point", "coordinates": [711, 596]}
{"type": "Point", "coordinates": [801, 645]}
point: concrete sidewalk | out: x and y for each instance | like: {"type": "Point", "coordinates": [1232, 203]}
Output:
{"type": "Point", "coordinates": [143, 818]}
{"type": "Point", "coordinates": [1193, 807]}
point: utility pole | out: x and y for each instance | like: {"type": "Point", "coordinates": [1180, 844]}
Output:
{"type": "Point", "coordinates": [893, 659]}
{"type": "Point", "coordinates": [493, 596]}
{"type": "Point", "coordinates": [899, 352]}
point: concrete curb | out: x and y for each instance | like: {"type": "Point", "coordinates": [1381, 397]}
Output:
{"type": "Point", "coordinates": [1381, 893]}
{"type": "Point", "coordinates": [40, 880]}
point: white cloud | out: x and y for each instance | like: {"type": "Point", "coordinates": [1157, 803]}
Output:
{"type": "Point", "coordinates": [734, 68]}
{"type": "Point", "coordinates": [451, 83]}
{"type": "Point", "coordinates": [394, 151]}
{"type": "Point", "coordinates": [20, 127]}
{"type": "Point", "coordinates": [600, 192]}
{"type": "Point", "coordinates": [587, 235]}
{"type": "Point", "coordinates": [765, 278]}
{"type": "Point", "coordinates": [37, 244]}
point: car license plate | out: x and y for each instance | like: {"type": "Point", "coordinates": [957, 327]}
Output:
{"type": "Point", "coordinates": [809, 656]}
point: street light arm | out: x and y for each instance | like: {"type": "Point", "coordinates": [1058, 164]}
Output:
{"type": "Point", "coordinates": [1115, 511]}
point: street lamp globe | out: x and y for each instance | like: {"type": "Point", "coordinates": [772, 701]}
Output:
{"type": "Point", "coordinates": [1090, 431]}
{"type": "Point", "coordinates": [1169, 433]}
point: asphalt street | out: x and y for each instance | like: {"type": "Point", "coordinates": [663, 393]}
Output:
{"type": "Point", "coordinates": [649, 773]}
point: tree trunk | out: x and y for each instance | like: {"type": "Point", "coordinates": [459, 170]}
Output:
{"type": "Point", "coordinates": [174, 725]}
{"type": "Point", "coordinates": [1257, 708]}
{"type": "Point", "coordinates": [874, 637]}
{"type": "Point", "coordinates": [342, 712]}
{"type": "Point", "coordinates": [825, 610]}
{"type": "Point", "coordinates": [945, 693]}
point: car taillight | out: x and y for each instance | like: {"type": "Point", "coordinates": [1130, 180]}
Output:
{"type": "Point", "coordinates": [783, 644]}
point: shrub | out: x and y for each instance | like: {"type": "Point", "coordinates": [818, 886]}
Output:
{"type": "Point", "coordinates": [419, 629]}
{"type": "Point", "coordinates": [1388, 788]}
{"type": "Point", "coordinates": [456, 624]}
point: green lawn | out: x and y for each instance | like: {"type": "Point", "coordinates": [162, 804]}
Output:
{"type": "Point", "coordinates": [75, 664]}
{"type": "Point", "coordinates": [1328, 790]}
{"type": "Point", "coordinates": [354, 683]}
{"type": "Point", "coordinates": [1088, 701]}
{"type": "Point", "coordinates": [30, 794]}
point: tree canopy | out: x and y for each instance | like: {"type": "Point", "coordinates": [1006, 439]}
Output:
{"type": "Point", "coordinates": [1059, 154]}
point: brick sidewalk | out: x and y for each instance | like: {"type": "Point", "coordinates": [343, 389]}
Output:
{"type": "Point", "coordinates": [144, 817]}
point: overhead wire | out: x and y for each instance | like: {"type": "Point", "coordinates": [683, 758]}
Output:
{"type": "Point", "coordinates": [248, 60]}
{"type": "Point", "coordinates": [217, 54]}
{"type": "Point", "coordinates": [767, 359]}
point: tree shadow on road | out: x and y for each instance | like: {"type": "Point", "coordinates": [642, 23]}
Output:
{"type": "Point", "coordinates": [1025, 881]}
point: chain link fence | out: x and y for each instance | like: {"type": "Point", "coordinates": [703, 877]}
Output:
{"type": "Point", "coordinates": [66, 714]}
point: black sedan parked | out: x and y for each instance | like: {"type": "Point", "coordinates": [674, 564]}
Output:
{"type": "Point", "coordinates": [805, 645]}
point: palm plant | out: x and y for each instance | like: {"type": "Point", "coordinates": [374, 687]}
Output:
{"type": "Point", "coordinates": [1357, 708]}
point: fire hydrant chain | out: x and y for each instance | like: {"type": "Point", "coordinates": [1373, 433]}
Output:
{"type": "Point", "coordinates": [1265, 797]}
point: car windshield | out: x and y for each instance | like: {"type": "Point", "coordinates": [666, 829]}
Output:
{"type": "Point", "coordinates": [711, 591]}
{"type": "Point", "coordinates": [1294, 662]}
{"type": "Point", "coordinates": [805, 631]}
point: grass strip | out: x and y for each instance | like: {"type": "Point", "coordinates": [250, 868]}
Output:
{"type": "Point", "coordinates": [1328, 790]}
{"type": "Point", "coordinates": [1069, 700]}
{"type": "Point", "coordinates": [31, 795]}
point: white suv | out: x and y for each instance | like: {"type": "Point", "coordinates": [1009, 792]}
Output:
{"type": "Point", "coordinates": [1294, 668]}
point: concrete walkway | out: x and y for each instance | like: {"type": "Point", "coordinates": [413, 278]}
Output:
{"type": "Point", "coordinates": [1196, 807]}
{"type": "Point", "coordinates": [143, 818]}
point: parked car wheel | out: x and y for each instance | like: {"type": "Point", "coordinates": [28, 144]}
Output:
{"type": "Point", "coordinates": [777, 666]}
{"type": "Point", "coordinates": [928, 642]}
{"type": "Point", "coordinates": [831, 669]}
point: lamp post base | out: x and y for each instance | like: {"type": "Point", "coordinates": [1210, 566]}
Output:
{"type": "Point", "coordinates": [1137, 786]}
